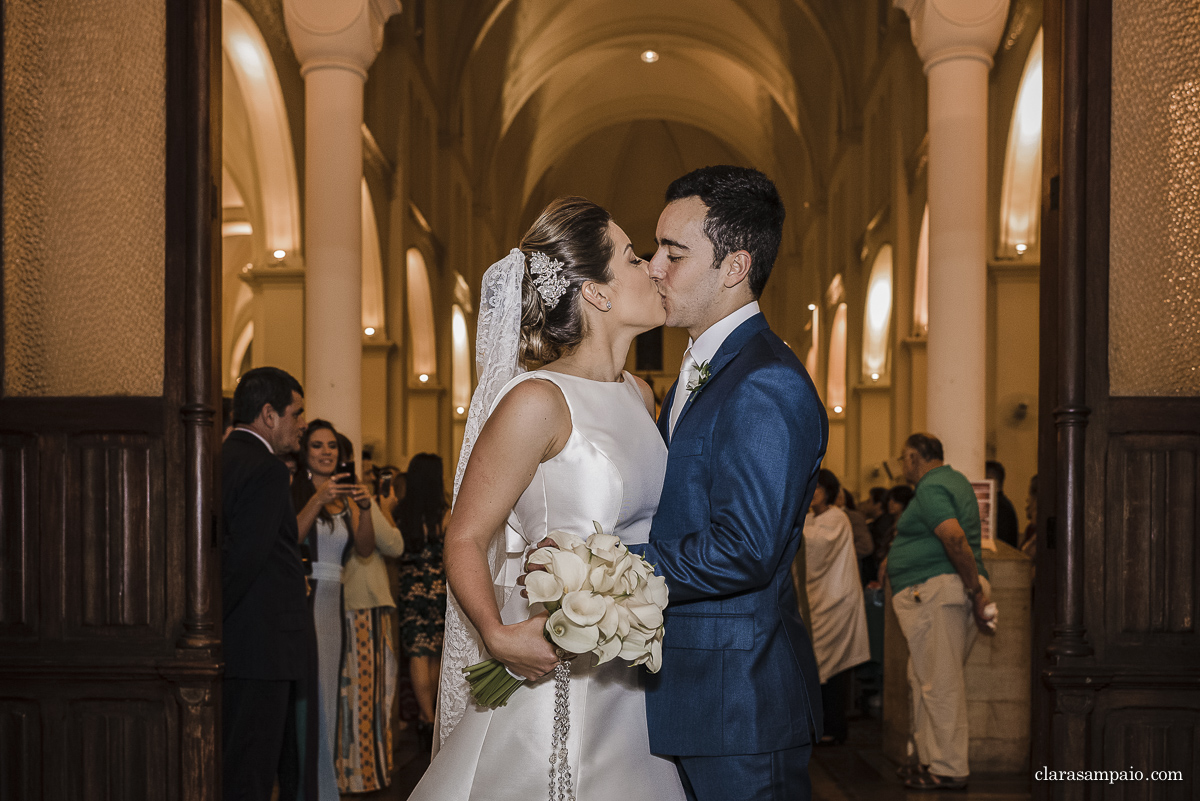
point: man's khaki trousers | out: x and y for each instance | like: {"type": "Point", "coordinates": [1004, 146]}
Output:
{"type": "Point", "coordinates": [937, 620]}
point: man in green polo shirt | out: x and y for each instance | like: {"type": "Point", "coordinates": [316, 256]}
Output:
{"type": "Point", "coordinates": [940, 595]}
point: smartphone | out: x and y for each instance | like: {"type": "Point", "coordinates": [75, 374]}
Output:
{"type": "Point", "coordinates": [346, 467]}
{"type": "Point", "coordinates": [385, 485]}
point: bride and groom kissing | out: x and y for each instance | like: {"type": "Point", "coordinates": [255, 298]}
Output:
{"type": "Point", "coordinates": [713, 495]}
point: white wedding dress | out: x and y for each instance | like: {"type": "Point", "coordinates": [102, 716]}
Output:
{"type": "Point", "coordinates": [610, 471]}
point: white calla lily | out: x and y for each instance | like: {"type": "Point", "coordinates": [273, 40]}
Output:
{"type": "Point", "coordinates": [605, 547]}
{"type": "Point", "coordinates": [611, 620]}
{"type": "Point", "coordinates": [583, 608]}
{"type": "Point", "coordinates": [570, 569]}
{"type": "Point", "coordinates": [542, 587]}
{"type": "Point", "coordinates": [633, 645]}
{"type": "Point", "coordinates": [655, 591]}
{"type": "Point", "coordinates": [601, 579]}
{"type": "Point", "coordinates": [542, 556]}
{"type": "Point", "coordinates": [607, 650]}
{"type": "Point", "coordinates": [649, 616]}
{"type": "Point", "coordinates": [570, 637]}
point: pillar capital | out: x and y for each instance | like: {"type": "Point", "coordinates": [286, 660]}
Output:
{"type": "Point", "coordinates": [951, 29]}
{"type": "Point", "coordinates": [342, 34]}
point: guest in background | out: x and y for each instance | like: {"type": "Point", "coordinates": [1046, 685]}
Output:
{"type": "Point", "coordinates": [1007, 529]}
{"type": "Point", "coordinates": [835, 599]}
{"type": "Point", "coordinates": [879, 519]}
{"type": "Point", "coordinates": [858, 523]}
{"type": "Point", "coordinates": [423, 515]}
{"type": "Point", "coordinates": [369, 668]}
{"type": "Point", "coordinates": [940, 596]}
{"type": "Point", "coordinates": [330, 516]}
{"type": "Point", "coordinates": [267, 629]}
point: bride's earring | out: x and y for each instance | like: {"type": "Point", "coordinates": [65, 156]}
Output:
{"type": "Point", "coordinates": [608, 305]}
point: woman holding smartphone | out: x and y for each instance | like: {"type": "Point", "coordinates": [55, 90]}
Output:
{"type": "Point", "coordinates": [333, 514]}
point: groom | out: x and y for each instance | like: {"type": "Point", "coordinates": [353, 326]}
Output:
{"type": "Point", "coordinates": [737, 701]}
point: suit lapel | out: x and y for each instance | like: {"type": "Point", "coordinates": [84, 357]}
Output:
{"type": "Point", "coordinates": [732, 345]}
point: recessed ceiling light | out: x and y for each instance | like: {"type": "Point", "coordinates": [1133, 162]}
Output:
{"type": "Point", "coordinates": [649, 56]}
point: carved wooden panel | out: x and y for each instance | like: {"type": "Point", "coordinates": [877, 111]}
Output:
{"type": "Point", "coordinates": [1150, 739]}
{"type": "Point", "coordinates": [1152, 551]}
{"type": "Point", "coordinates": [18, 536]}
{"type": "Point", "coordinates": [20, 749]}
{"type": "Point", "coordinates": [114, 531]}
{"type": "Point", "coordinates": [118, 750]}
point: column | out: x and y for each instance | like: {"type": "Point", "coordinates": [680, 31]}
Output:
{"type": "Point", "coordinates": [335, 42]}
{"type": "Point", "coordinates": [278, 316]}
{"type": "Point", "coordinates": [955, 40]}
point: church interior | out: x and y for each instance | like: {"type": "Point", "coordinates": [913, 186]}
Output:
{"type": "Point", "coordinates": [992, 212]}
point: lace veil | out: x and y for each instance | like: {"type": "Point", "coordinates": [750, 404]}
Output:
{"type": "Point", "coordinates": [497, 345]}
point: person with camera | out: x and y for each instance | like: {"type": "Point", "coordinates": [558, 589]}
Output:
{"type": "Point", "coordinates": [333, 514]}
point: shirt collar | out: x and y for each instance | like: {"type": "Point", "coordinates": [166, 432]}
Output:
{"type": "Point", "coordinates": [252, 432]}
{"type": "Point", "coordinates": [704, 348]}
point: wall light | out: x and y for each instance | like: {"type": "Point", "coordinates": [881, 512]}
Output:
{"type": "Point", "coordinates": [649, 56]}
{"type": "Point", "coordinates": [837, 409]}
{"type": "Point", "coordinates": [279, 254]}
{"type": "Point", "coordinates": [1022, 247]}
{"type": "Point", "coordinates": [461, 410]}
{"type": "Point", "coordinates": [812, 307]}
{"type": "Point", "coordinates": [874, 376]}
{"type": "Point", "coordinates": [369, 331]}
{"type": "Point", "coordinates": [423, 378]}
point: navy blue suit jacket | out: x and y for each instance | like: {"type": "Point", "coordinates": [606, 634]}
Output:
{"type": "Point", "coordinates": [738, 672]}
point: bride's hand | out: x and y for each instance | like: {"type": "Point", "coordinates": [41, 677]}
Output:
{"type": "Point", "coordinates": [529, 568]}
{"type": "Point", "coordinates": [523, 648]}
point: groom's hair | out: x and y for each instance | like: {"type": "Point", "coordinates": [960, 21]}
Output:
{"type": "Point", "coordinates": [745, 212]}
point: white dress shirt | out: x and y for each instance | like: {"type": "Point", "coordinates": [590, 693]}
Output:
{"type": "Point", "coordinates": [256, 434]}
{"type": "Point", "coordinates": [705, 348]}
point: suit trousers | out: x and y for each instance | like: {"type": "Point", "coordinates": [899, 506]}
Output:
{"type": "Point", "coordinates": [938, 622]}
{"type": "Point", "coordinates": [258, 731]}
{"type": "Point", "coordinates": [773, 776]}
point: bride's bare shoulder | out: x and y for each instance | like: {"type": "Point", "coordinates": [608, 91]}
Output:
{"type": "Point", "coordinates": [535, 401]}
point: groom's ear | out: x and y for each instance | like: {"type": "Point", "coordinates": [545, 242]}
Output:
{"type": "Point", "coordinates": [735, 268]}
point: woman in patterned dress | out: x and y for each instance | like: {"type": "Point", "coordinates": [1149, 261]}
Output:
{"type": "Point", "coordinates": [421, 595]}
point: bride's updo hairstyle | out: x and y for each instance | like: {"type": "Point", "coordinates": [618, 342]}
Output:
{"type": "Point", "coordinates": [575, 232]}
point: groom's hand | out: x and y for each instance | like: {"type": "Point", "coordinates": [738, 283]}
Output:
{"type": "Point", "coordinates": [546, 543]}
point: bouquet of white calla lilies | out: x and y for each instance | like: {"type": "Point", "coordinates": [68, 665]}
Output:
{"type": "Point", "coordinates": [602, 600]}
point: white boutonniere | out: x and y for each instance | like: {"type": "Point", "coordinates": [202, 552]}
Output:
{"type": "Point", "coordinates": [702, 379]}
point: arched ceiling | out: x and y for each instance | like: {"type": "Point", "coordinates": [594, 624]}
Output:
{"type": "Point", "coordinates": [546, 75]}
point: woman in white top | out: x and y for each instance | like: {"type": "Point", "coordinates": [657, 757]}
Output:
{"type": "Point", "coordinates": [835, 600]}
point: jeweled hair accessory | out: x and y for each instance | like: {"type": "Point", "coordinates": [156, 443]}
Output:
{"type": "Point", "coordinates": [547, 277]}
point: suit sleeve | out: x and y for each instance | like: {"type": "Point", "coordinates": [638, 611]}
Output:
{"type": "Point", "coordinates": [767, 443]}
{"type": "Point", "coordinates": [252, 526]}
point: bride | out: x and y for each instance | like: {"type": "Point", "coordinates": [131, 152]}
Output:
{"type": "Point", "coordinates": [562, 446]}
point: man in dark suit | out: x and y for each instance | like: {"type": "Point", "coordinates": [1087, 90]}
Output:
{"type": "Point", "coordinates": [737, 702]}
{"type": "Point", "coordinates": [267, 628]}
